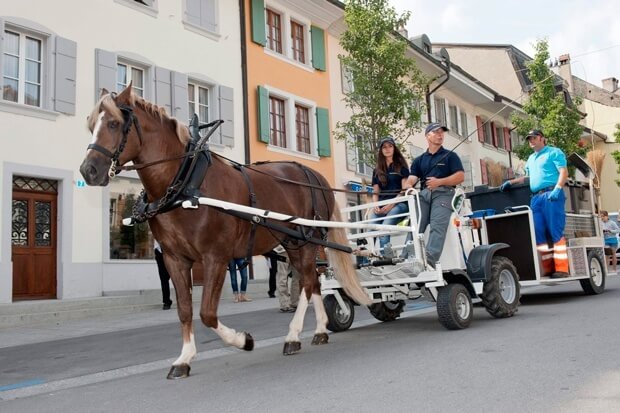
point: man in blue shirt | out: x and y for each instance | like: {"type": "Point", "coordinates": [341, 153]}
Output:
{"type": "Point", "coordinates": [439, 171]}
{"type": "Point", "coordinates": [546, 169]}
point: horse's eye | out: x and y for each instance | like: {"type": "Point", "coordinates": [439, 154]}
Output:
{"type": "Point", "coordinates": [113, 124]}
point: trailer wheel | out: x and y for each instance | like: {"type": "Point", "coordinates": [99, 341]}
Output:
{"type": "Point", "coordinates": [500, 294]}
{"type": "Point", "coordinates": [454, 307]}
{"type": "Point", "coordinates": [387, 311]}
{"type": "Point", "coordinates": [337, 320]}
{"type": "Point", "coordinates": [595, 283]}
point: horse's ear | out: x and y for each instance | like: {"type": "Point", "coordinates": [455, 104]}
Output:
{"type": "Point", "coordinates": [104, 92]}
{"type": "Point", "coordinates": [126, 95]}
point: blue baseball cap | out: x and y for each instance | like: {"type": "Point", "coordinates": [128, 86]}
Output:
{"type": "Point", "coordinates": [432, 127]}
{"type": "Point", "coordinates": [387, 139]}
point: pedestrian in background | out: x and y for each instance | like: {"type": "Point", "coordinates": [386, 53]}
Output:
{"type": "Point", "coordinates": [272, 264]}
{"type": "Point", "coordinates": [287, 279]}
{"type": "Point", "coordinates": [164, 276]}
{"type": "Point", "coordinates": [547, 172]}
{"type": "Point", "coordinates": [233, 265]}
{"type": "Point", "coordinates": [610, 233]}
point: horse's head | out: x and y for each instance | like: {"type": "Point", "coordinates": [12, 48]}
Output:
{"type": "Point", "coordinates": [116, 136]}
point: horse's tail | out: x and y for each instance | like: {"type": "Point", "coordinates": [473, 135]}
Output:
{"type": "Point", "coordinates": [343, 266]}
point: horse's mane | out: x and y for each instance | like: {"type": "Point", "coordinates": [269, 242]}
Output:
{"type": "Point", "coordinates": [106, 102]}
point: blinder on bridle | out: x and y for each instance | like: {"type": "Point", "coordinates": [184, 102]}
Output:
{"type": "Point", "coordinates": [129, 119]}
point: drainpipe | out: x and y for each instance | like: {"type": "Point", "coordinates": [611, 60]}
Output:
{"type": "Point", "coordinates": [446, 58]}
{"type": "Point", "coordinates": [244, 82]}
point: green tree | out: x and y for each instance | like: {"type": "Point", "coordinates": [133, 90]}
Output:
{"type": "Point", "coordinates": [616, 154]}
{"type": "Point", "coordinates": [546, 109]}
{"type": "Point", "coordinates": [386, 97]}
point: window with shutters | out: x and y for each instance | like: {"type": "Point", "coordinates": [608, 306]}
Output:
{"type": "Point", "coordinates": [499, 136]}
{"type": "Point", "coordinates": [148, 7]}
{"type": "Point", "coordinates": [277, 122]}
{"type": "Point", "coordinates": [302, 128]}
{"type": "Point", "coordinates": [346, 78]}
{"type": "Point", "coordinates": [291, 37]}
{"type": "Point", "coordinates": [126, 73]}
{"type": "Point", "coordinates": [361, 167]}
{"type": "Point", "coordinates": [464, 129]}
{"type": "Point", "coordinates": [487, 132]}
{"type": "Point", "coordinates": [199, 102]}
{"type": "Point", "coordinates": [274, 31]}
{"type": "Point", "coordinates": [440, 110]}
{"type": "Point", "coordinates": [468, 183]}
{"type": "Point", "coordinates": [295, 124]}
{"type": "Point", "coordinates": [454, 120]}
{"type": "Point", "coordinates": [22, 75]}
{"type": "Point", "coordinates": [201, 16]}
{"type": "Point", "coordinates": [297, 42]}
{"type": "Point", "coordinates": [38, 70]}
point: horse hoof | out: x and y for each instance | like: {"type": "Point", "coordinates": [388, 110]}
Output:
{"type": "Point", "coordinates": [320, 338]}
{"type": "Point", "coordinates": [178, 372]}
{"type": "Point", "coordinates": [291, 348]}
{"type": "Point", "coordinates": [249, 342]}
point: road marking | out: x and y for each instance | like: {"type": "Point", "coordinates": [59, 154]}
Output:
{"type": "Point", "coordinates": [21, 384]}
{"type": "Point", "coordinates": [35, 389]}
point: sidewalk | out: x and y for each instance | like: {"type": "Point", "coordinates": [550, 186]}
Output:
{"type": "Point", "coordinates": [102, 315]}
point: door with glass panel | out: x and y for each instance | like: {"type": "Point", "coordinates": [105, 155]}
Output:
{"type": "Point", "coordinates": [33, 244]}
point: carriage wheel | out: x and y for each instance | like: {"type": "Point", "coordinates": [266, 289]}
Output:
{"type": "Point", "coordinates": [595, 283]}
{"type": "Point", "coordinates": [500, 294]}
{"type": "Point", "coordinates": [337, 319]}
{"type": "Point", "coordinates": [454, 307]}
{"type": "Point", "coordinates": [387, 311]}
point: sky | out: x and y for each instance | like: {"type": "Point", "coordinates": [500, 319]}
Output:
{"type": "Point", "coordinates": [583, 28]}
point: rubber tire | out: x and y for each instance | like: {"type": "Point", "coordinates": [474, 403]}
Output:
{"type": "Point", "coordinates": [491, 295]}
{"type": "Point", "coordinates": [336, 322]}
{"type": "Point", "coordinates": [589, 285]}
{"type": "Point", "coordinates": [388, 311]}
{"type": "Point", "coordinates": [447, 307]}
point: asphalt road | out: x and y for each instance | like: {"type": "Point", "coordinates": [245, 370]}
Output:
{"type": "Point", "coordinates": [558, 354]}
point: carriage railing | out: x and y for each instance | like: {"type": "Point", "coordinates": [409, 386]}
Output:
{"type": "Point", "coordinates": [398, 241]}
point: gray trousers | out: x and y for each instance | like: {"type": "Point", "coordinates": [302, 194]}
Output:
{"type": "Point", "coordinates": [288, 299]}
{"type": "Point", "coordinates": [436, 209]}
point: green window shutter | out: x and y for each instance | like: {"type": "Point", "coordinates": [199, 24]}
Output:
{"type": "Point", "coordinates": [322, 130]}
{"type": "Point", "coordinates": [258, 22]}
{"type": "Point", "coordinates": [318, 48]}
{"type": "Point", "coordinates": [263, 114]}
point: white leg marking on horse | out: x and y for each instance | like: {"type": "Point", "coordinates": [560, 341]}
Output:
{"type": "Point", "coordinates": [229, 335]}
{"type": "Point", "coordinates": [188, 352]}
{"type": "Point", "coordinates": [321, 315]}
{"type": "Point", "coordinates": [298, 319]}
{"type": "Point", "coordinates": [97, 127]}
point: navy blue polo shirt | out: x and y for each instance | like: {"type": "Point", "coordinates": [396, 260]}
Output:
{"type": "Point", "coordinates": [440, 164]}
{"type": "Point", "coordinates": [394, 182]}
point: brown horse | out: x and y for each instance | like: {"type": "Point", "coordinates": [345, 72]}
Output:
{"type": "Point", "coordinates": [207, 235]}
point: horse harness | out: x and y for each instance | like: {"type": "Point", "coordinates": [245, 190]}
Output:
{"type": "Point", "coordinates": [186, 184]}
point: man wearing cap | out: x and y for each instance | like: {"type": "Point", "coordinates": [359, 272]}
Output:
{"type": "Point", "coordinates": [547, 172]}
{"type": "Point", "coordinates": [439, 171]}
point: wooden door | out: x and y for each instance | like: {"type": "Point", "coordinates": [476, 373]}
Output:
{"type": "Point", "coordinates": [33, 240]}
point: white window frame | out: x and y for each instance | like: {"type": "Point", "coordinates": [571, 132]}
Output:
{"type": "Point", "coordinates": [464, 125]}
{"type": "Point", "coordinates": [360, 167]}
{"type": "Point", "coordinates": [287, 47]}
{"type": "Point", "coordinates": [454, 123]}
{"type": "Point", "coordinates": [487, 131]}
{"type": "Point", "coordinates": [291, 138]}
{"type": "Point", "coordinates": [468, 183]}
{"type": "Point", "coordinates": [146, 78]}
{"type": "Point", "coordinates": [346, 78]}
{"type": "Point", "coordinates": [500, 138]}
{"type": "Point", "coordinates": [45, 110]}
{"type": "Point", "coordinates": [21, 79]}
{"type": "Point", "coordinates": [439, 103]}
{"type": "Point", "coordinates": [150, 9]}
{"type": "Point", "coordinates": [211, 99]}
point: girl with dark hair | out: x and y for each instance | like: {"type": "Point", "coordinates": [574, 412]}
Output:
{"type": "Point", "coordinates": [388, 180]}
